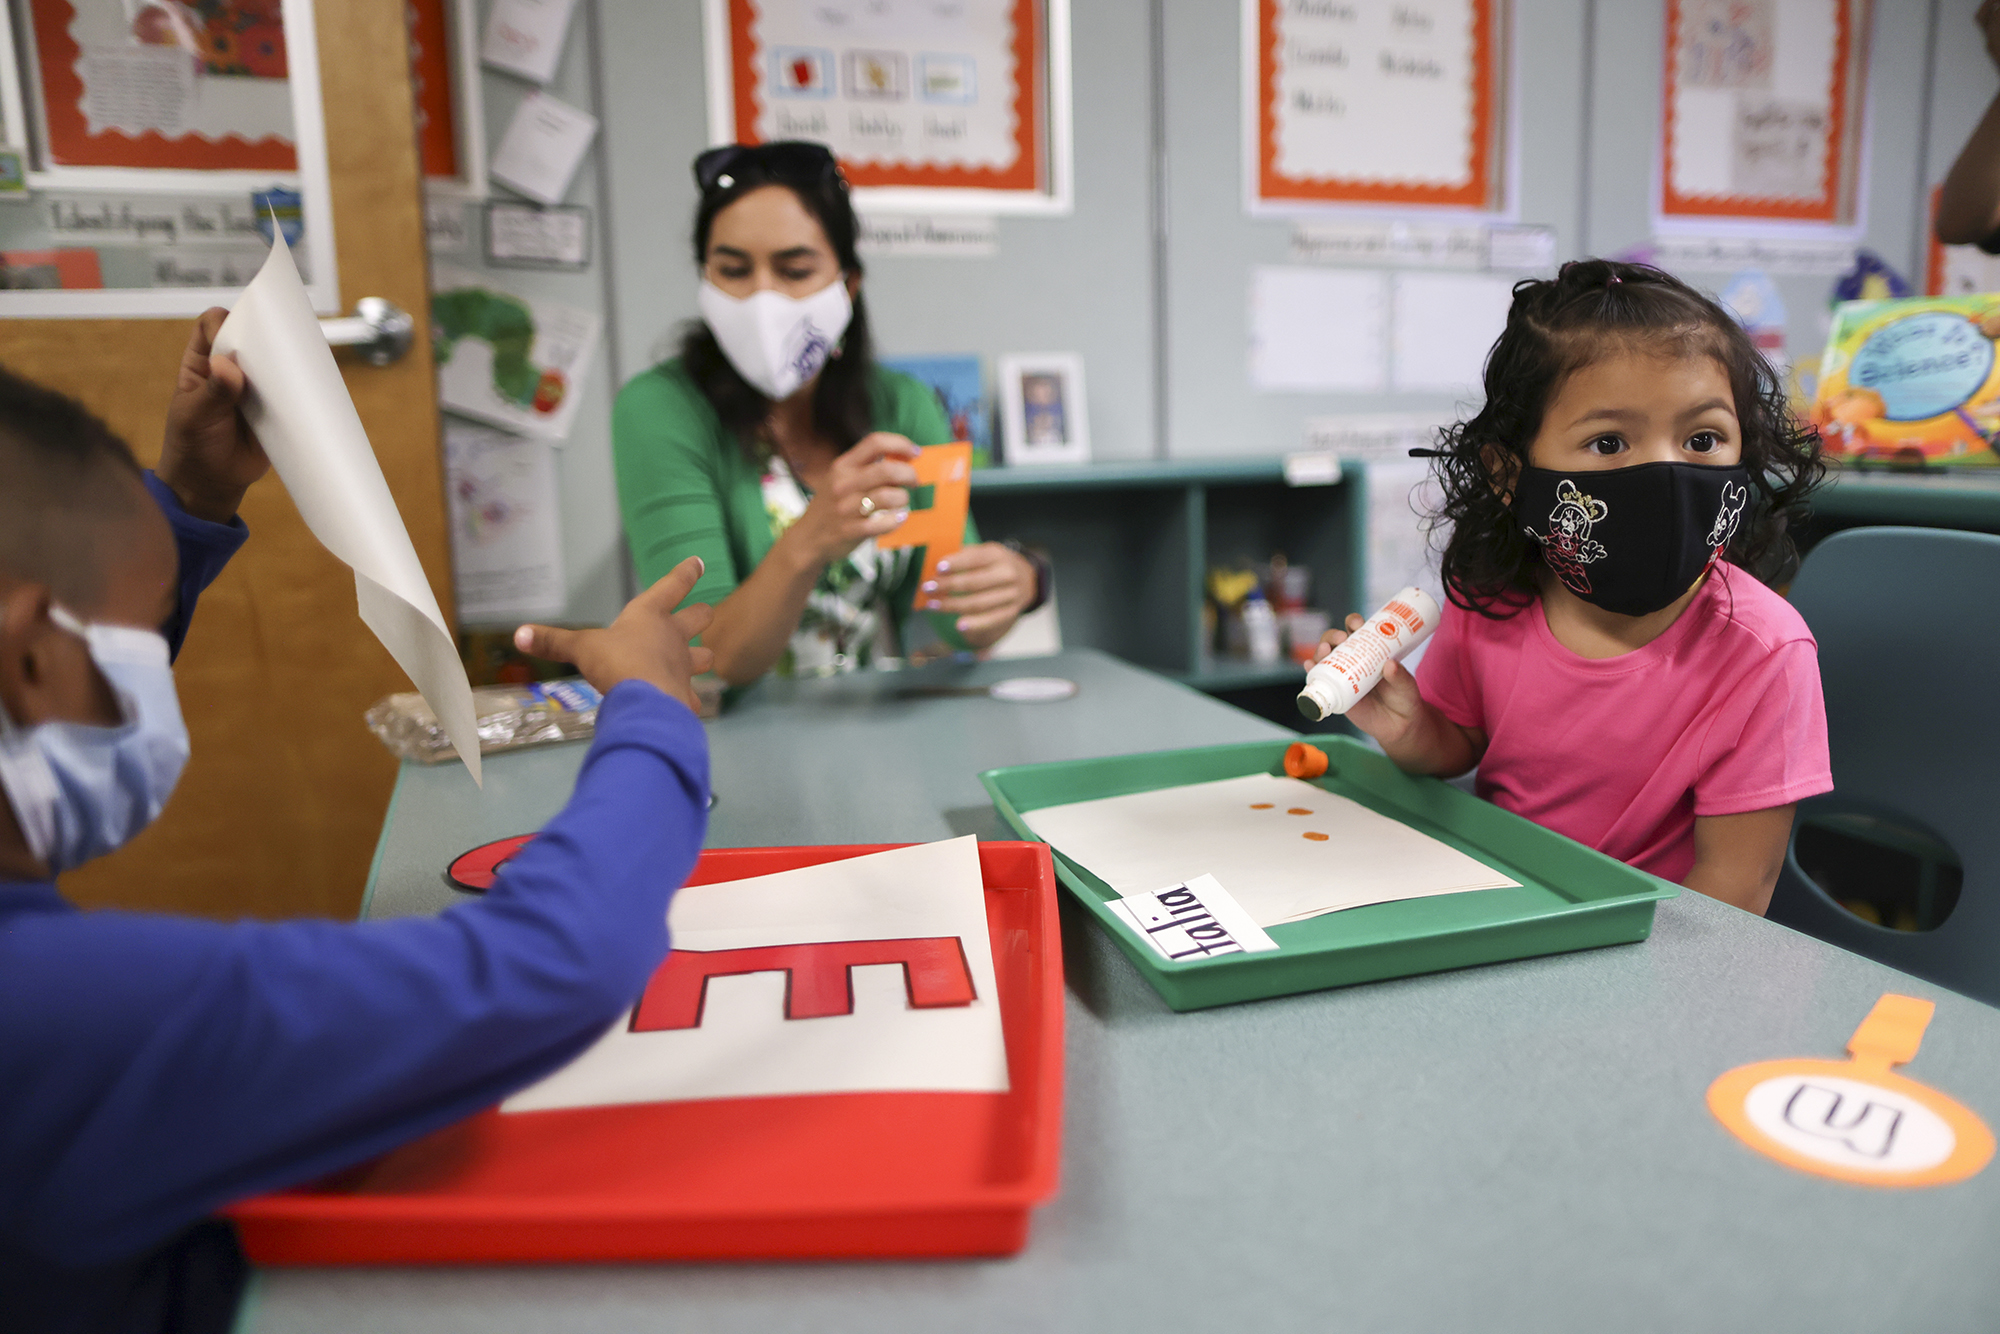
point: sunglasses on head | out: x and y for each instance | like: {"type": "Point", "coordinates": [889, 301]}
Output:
{"type": "Point", "coordinates": [795, 161]}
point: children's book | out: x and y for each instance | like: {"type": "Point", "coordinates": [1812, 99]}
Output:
{"type": "Point", "coordinates": [1913, 382]}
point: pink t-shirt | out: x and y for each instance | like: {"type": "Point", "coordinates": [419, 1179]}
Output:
{"type": "Point", "coordinates": [1721, 714]}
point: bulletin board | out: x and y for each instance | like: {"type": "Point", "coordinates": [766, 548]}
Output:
{"type": "Point", "coordinates": [169, 88]}
{"type": "Point", "coordinates": [1375, 103]}
{"type": "Point", "coordinates": [926, 106]}
{"type": "Point", "coordinates": [1763, 110]}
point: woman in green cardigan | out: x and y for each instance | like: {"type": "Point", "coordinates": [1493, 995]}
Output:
{"type": "Point", "coordinates": [774, 448]}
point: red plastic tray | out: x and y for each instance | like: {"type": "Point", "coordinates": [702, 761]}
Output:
{"type": "Point", "coordinates": [825, 1176]}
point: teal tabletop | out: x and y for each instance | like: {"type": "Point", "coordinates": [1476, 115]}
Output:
{"type": "Point", "coordinates": [1518, 1147]}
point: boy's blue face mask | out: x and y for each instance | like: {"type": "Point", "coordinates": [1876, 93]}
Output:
{"type": "Point", "coordinates": [80, 790]}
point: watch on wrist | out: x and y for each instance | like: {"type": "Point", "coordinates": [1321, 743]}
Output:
{"type": "Point", "coordinates": [1042, 573]}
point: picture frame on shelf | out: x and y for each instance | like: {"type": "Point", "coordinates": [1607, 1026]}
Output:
{"type": "Point", "coordinates": [1043, 412]}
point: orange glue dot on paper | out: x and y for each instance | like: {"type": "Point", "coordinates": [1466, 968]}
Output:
{"type": "Point", "coordinates": [1303, 761]}
{"type": "Point", "coordinates": [1317, 838]}
{"type": "Point", "coordinates": [1260, 805]}
{"type": "Point", "coordinates": [1298, 810]}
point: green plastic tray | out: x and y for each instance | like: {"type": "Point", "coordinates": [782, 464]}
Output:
{"type": "Point", "coordinates": [1570, 898]}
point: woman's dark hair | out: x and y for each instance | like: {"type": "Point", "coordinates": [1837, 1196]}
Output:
{"type": "Point", "coordinates": [842, 409]}
{"type": "Point", "coordinates": [1591, 309]}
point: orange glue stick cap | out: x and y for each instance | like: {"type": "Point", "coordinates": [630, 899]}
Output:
{"type": "Point", "coordinates": [1303, 761]}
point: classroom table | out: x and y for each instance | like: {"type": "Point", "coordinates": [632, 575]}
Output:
{"type": "Point", "coordinates": [1523, 1146]}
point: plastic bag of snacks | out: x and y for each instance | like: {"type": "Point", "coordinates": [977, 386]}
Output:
{"type": "Point", "coordinates": [510, 717]}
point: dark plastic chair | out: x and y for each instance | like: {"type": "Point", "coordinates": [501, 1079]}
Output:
{"type": "Point", "coordinates": [1908, 624]}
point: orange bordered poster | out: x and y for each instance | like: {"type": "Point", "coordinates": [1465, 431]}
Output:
{"type": "Point", "coordinates": [939, 97]}
{"type": "Point", "coordinates": [1376, 104]}
{"type": "Point", "coordinates": [163, 86]}
{"type": "Point", "coordinates": [1763, 109]}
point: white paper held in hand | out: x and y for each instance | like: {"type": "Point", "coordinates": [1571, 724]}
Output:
{"type": "Point", "coordinates": [301, 412]}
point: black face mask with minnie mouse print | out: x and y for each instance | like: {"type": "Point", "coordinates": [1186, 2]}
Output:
{"type": "Point", "coordinates": [1632, 540]}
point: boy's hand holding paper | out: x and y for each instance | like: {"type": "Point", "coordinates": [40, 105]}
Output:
{"type": "Point", "coordinates": [302, 415]}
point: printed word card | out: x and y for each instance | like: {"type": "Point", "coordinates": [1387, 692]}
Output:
{"type": "Point", "coordinates": [1368, 101]}
{"type": "Point", "coordinates": [1286, 849]}
{"type": "Point", "coordinates": [1192, 921]}
{"type": "Point", "coordinates": [869, 974]}
{"type": "Point", "coordinates": [1763, 109]}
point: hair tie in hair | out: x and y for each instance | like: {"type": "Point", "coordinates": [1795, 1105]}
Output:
{"type": "Point", "coordinates": [1614, 278]}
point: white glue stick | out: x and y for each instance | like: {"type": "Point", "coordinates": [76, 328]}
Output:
{"type": "Point", "coordinates": [1351, 670]}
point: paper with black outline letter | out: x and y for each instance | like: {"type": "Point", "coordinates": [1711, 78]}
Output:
{"type": "Point", "coordinates": [301, 412]}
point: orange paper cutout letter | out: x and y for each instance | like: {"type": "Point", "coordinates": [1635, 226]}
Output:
{"type": "Point", "coordinates": [940, 528]}
{"type": "Point", "coordinates": [818, 982]}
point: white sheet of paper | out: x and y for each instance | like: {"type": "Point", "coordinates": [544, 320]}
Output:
{"type": "Point", "coordinates": [305, 420]}
{"type": "Point", "coordinates": [745, 1047]}
{"type": "Point", "coordinates": [525, 37]}
{"type": "Point", "coordinates": [1446, 323]}
{"type": "Point", "coordinates": [1138, 842]}
{"type": "Point", "coordinates": [1318, 329]}
{"type": "Point", "coordinates": [1192, 921]}
{"type": "Point", "coordinates": [543, 147]}
{"type": "Point", "coordinates": [506, 531]}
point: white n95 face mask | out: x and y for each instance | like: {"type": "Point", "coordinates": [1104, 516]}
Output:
{"type": "Point", "coordinates": [774, 341]}
{"type": "Point", "coordinates": [80, 790]}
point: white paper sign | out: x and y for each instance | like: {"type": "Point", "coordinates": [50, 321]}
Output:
{"type": "Point", "coordinates": [523, 235]}
{"type": "Point", "coordinates": [732, 1028]}
{"type": "Point", "coordinates": [525, 37]}
{"type": "Point", "coordinates": [509, 360]}
{"type": "Point", "coordinates": [1373, 437]}
{"type": "Point", "coordinates": [306, 422]}
{"type": "Point", "coordinates": [956, 237]}
{"type": "Point", "coordinates": [1189, 922]}
{"type": "Point", "coordinates": [506, 529]}
{"type": "Point", "coordinates": [1318, 329]}
{"type": "Point", "coordinates": [1752, 101]}
{"type": "Point", "coordinates": [1446, 323]}
{"type": "Point", "coordinates": [543, 147]}
{"type": "Point", "coordinates": [1287, 850]}
{"type": "Point", "coordinates": [1375, 92]}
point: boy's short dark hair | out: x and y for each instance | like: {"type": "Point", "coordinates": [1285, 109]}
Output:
{"type": "Point", "coordinates": [64, 477]}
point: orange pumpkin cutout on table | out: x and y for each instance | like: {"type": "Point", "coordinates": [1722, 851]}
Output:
{"type": "Point", "coordinates": [1854, 1120]}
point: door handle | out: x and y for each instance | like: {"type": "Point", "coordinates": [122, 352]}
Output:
{"type": "Point", "coordinates": [379, 330]}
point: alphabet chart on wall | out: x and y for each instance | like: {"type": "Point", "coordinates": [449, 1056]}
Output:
{"type": "Point", "coordinates": [1763, 110]}
{"type": "Point", "coordinates": [869, 974]}
{"type": "Point", "coordinates": [970, 96]}
{"type": "Point", "coordinates": [1373, 102]}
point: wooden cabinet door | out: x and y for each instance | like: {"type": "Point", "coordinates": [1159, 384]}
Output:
{"type": "Point", "coordinates": [279, 810]}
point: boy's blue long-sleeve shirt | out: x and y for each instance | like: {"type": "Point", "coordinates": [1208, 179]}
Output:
{"type": "Point", "coordinates": [154, 1068]}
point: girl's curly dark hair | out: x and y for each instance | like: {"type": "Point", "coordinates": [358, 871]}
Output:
{"type": "Point", "coordinates": [1593, 308]}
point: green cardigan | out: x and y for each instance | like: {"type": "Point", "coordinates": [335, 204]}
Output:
{"type": "Point", "coordinates": [687, 488]}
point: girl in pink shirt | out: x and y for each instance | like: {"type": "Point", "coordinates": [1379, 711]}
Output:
{"type": "Point", "coordinates": [1608, 659]}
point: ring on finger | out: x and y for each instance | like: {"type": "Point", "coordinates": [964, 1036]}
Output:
{"type": "Point", "coordinates": [867, 506]}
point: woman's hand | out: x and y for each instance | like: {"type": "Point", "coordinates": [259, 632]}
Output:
{"type": "Point", "coordinates": [876, 471]}
{"type": "Point", "coordinates": [986, 587]}
{"type": "Point", "coordinates": [210, 457]}
{"type": "Point", "coordinates": [648, 642]}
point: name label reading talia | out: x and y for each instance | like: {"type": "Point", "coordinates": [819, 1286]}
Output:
{"type": "Point", "coordinates": [1192, 921]}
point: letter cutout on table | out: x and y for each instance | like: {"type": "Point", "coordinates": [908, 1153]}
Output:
{"type": "Point", "coordinates": [863, 974]}
{"type": "Point", "coordinates": [819, 978]}
{"type": "Point", "coordinates": [939, 527]}
{"type": "Point", "coordinates": [1855, 1120]}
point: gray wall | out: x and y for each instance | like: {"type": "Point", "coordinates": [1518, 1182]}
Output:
{"type": "Point", "coordinates": [1158, 306]}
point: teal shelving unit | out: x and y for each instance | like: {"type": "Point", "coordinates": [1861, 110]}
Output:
{"type": "Point", "coordinates": [1131, 543]}
{"type": "Point", "coordinates": [1967, 499]}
